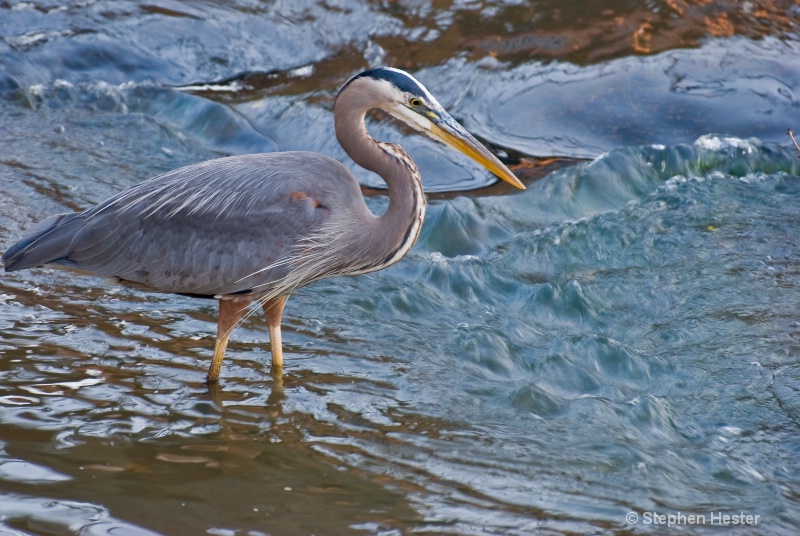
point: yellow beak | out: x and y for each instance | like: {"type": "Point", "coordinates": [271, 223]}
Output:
{"type": "Point", "coordinates": [445, 129]}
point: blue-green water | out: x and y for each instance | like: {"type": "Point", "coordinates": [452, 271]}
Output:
{"type": "Point", "coordinates": [615, 343]}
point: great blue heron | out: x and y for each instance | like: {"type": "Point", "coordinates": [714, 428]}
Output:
{"type": "Point", "coordinates": [257, 227]}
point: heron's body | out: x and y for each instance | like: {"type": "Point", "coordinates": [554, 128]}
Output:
{"type": "Point", "coordinates": [176, 239]}
{"type": "Point", "coordinates": [252, 227]}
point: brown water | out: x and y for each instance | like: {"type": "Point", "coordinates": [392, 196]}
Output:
{"type": "Point", "coordinates": [620, 338]}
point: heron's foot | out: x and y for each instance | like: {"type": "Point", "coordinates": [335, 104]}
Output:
{"type": "Point", "coordinates": [216, 361]}
{"type": "Point", "coordinates": [277, 358]}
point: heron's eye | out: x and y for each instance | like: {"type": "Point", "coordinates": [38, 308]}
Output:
{"type": "Point", "coordinates": [414, 102]}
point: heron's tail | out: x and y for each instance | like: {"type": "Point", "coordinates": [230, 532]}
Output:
{"type": "Point", "coordinates": [44, 243]}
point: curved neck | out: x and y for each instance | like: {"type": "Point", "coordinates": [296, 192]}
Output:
{"type": "Point", "coordinates": [397, 229]}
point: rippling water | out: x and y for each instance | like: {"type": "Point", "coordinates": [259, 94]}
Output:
{"type": "Point", "coordinates": [622, 337]}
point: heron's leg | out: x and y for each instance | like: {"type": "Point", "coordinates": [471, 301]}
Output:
{"type": "Point", "coordinates": [230, 312]}
{"type": "Point", "coordinates": [273, 310]}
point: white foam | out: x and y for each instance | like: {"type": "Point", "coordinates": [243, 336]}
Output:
{"type": "Point", "coordinates": [712, 142]}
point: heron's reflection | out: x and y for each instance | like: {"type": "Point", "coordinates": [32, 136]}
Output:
{"type": "Point", "coordinates": [274, 405]}
{"type": "Point", "coordinates": [277, 395]}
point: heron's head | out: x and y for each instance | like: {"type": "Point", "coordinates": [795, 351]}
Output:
{"type": "Point", "coordinates": [401, 95]}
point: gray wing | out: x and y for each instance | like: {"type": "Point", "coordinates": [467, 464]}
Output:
{"type": "Point", "coordinates": [217, 227]}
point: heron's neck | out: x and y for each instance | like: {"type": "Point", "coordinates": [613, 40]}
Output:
{"type": "Point", "coordinates": [399, 226]}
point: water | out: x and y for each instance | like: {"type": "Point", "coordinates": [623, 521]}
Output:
{"type": "Point", "coordinates": [620, 338]}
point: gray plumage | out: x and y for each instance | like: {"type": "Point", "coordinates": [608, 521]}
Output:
{"type": "Point", "coordinates": [259, 226]}
{"type": "Point", "coordinates": [219, 227]}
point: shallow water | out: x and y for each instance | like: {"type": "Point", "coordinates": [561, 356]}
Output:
{"type": "Point", "coordinates": [622, 337]}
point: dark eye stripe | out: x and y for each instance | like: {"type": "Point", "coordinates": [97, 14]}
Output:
{"type": "Point", "coordinates": [401, 80]}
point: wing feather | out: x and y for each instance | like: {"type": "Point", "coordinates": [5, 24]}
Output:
{"type": "Point", "coordinates": [217, 227]}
